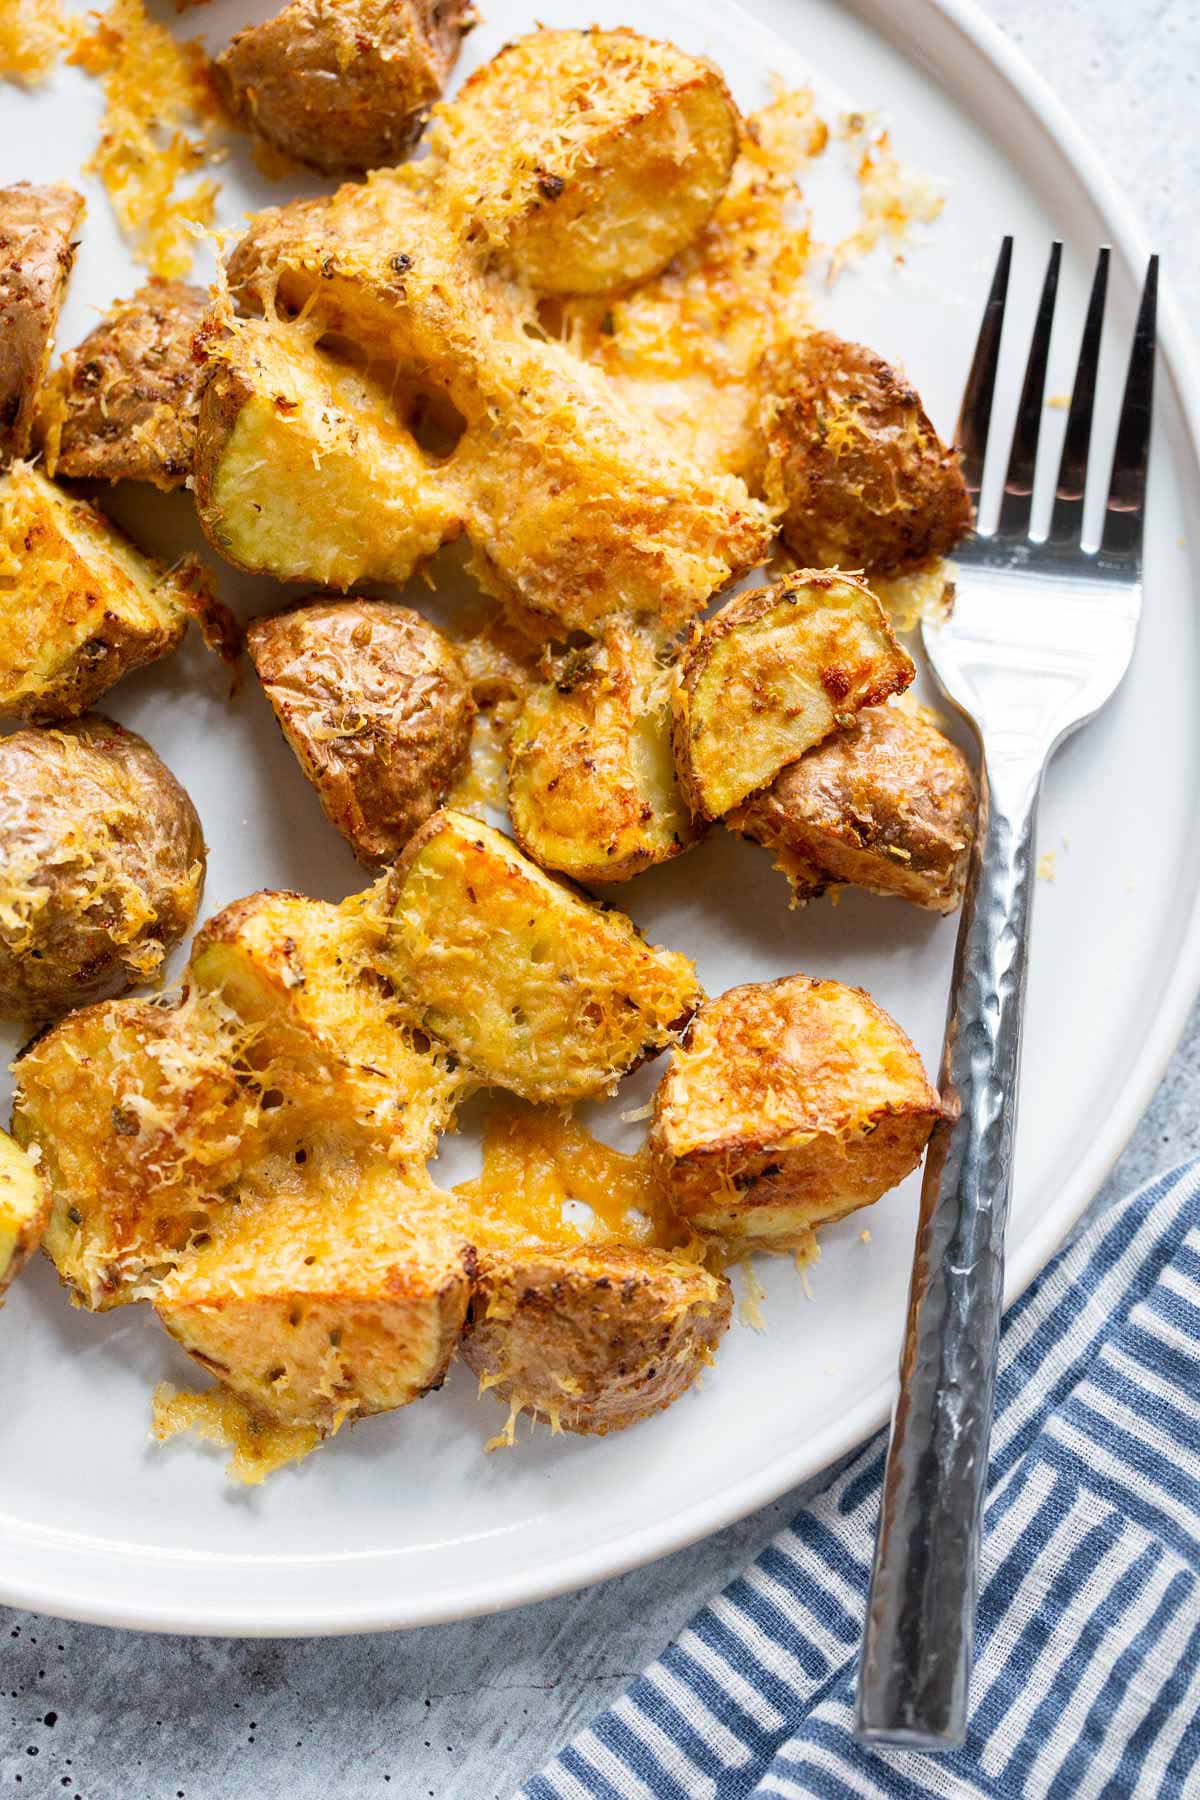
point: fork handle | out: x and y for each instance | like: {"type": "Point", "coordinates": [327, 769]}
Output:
{"type": "Point", "coordinates": [916, 1656]}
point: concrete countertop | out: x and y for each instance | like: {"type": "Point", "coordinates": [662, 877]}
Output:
{"type": "Point", "coordinates": [465, 1712]}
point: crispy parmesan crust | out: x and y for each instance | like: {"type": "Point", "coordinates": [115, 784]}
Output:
{"type": "Point", "coordinates": [343, 84]}
{"type": "Point", "coordinates": [888, 804]}
{"type": "Point", "coordinates": [24, 1209]}
{"type": "Point", "coordinates": [789, 1104]}
{"type": "Point", "coordinates": [770, 675]}
{"type": "Point", "coordinates": [376, 705]}
{"type": "Point", "coordinates": [101, 866]}
{"type": "Point", "coordinates": [37, 228]}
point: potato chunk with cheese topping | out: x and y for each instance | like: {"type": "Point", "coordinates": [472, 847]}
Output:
{"type": "Point", "coordinates": [596, 1337]}
{"type": "Point", "coordinates": [538, 989]}
{"type": "Point", "coordinates": [24, 1209]}
{"type": "Point", "coordinates": [770, 675]}
{"type": "Point", "coordinates": [591, 786]}
{"type": "Point", "coordinates": [37, 225]}
{"type": "Point", "coordinates": [625, 145]}
{"type": "Point", "coordinates": [789, 1103]}
{"type": "Point", "coordinates": [887, 804]}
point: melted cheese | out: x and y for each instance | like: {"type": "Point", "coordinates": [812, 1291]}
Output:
{"type": "Point", "coordinates": [32, 36]}
{"type": "Point", "coordinates": [257, 1446]}
{"type": "Point", "coordinates": [892, 199]}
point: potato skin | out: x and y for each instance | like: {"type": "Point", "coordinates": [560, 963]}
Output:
{"type": "Point", "coordinates": [124, 404]}
{"type": "Point", "coordinates": [101, 865]}
{"type": "Point", "coordinates": [376, 705]}
{"type": "Point", "coordinates": [789, 1103]}
{"type": "Point", "coordinates": [887, 803]}
{"type": "Point", "coordinates": [24, 1209]}
{"type": "Point", "coordinates": [37, 225]}
{"type": "Point", "coordinates": [865, 481]}
{"type": "Point", "coordinates": [625, 145]}
{"type": "Point", "coordinates": [343, 85]}
{"type": "Point", "coordinates": [591, 787]}
{"type": "Point", "coordinates": [593, 1338]}
{"type": "Point", "coordinates": [773, 672]}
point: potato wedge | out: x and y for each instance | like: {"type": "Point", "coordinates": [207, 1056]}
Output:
{"type": "Point", "coordinates": [770, 675]}
{"type": "Point", "coordinates": [343, 84]}
{"type": "Point", "coordinates": [591, 783]}
{"type": "Point", "coordinates": [864, 479]}
{"type": "Point", "coordinates": [593, 1338]}
{"type": "Point", "coordinates": [302, 470]}
{"type": "Point", "coordinates": [537, 989]}
{"type": "Point", "coordinates": [37, 226]}
{"type": "Point", "coordinates": [625, 147]}
{"type": "Point", "coordinates": [330, 1292]}
{"type": "Point", "coordinates": [789, 1103]}
{"type": "Point", "coordinates": [79, 605]}
{"type": "Point", "coordinates": [101, 866]}
{"type": "Point", "coordinates": [24, 1209]}
{"type": "Point", "coordinates": [887, 804]}
{"type": "Point", "coordinates": [376, 704]}
{"type": "Point", "coordinates": [124, 404]}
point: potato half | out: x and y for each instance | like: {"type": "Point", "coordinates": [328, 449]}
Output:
{"type": "Point", "coordinates": [591, 784]}
{"type": "Point", "coordinates": [625, 145]}
{"type": "Point", "coordinates": [887, 804]}
{"type": "Point", "coordinates": [123, 405]}
{"type": "Point", "coordinates": [789, 1103]}
{"type": "Point", "coordinates": [37, 227]}
{"type": "Point", "coordinates": [865, 481]}
{"type": "Point", "coordinates": [343, 84]}
{"type": "Point", "coordinates": [79, 605]}
{"type": "Point", "coordinates": [376, 704]}
{"type": "Point", "coordinates": [24, 1209]}
{"type": "Point", "coordinates": [538, 989]}
{"type": "Point", "coordinates": [101, 865]}
{"type": "Point", "coordinates": [770, 675]}
{"type": "Point", "coordinates": [593, 1338]}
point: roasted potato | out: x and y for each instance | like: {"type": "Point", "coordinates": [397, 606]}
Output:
{"type": "Point", "coordinates": [623, 149]}
{"type": "Point", "coordinates": [302, 470]}
{"type": "Point", "coordinates": [591, 785]}
{"type": "Point", "coordinates": [377, 707]}
{"type": "Point", "coordinates": [596, 1337]}
{"type": "Point", "coordinates": [770, 675]}
{"type": "Point", "coordinates": [37, 227]}
{"type": "Point", "coordinates": [24, 1209]}
{"type": "Point", "coordinates": [79, 605]}
{"type": "Point", "coordinates": [863, 478]}
{"type": "Point", "coordinates": [332, 1290]}
{"type": "Point", "coordinates": [124, 404]}
{"type": "Point", "coordinates": [101, 866]}
{"type": "Point", "coordinates": [788, 1104]}
{"type": "Point", "coordinates": [887, 804]}
{"type": "Point", "coordinates": [343, 84]}
{"type": "Point", "coordinates": [537, 989]}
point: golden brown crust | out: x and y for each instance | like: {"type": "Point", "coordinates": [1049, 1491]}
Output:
{"type": "Point", "coordinates": [595, 1338]}
{"type": "Point", "coordinates": [343, 85]}
{"type": "Point", "coordinates": [101, 866]}
{"type": "Point", "coordinates": [772, 673]}
{"type": "Point", "coordinates": [37, 227]}
{"type": "Point", "coordinates": [888, 803]}
{"type": "Point", "coordinates": [376, 705]}
{"type": "Point", "coordinates": [591, 788]}
{"type": "Point", "coordinates": [865, 481]}
{"type": "Point", "coordinates": [124, 404]}
{"type": "Point", "coordinates": [24, 1210]}
{"type": "Point", "coordinates": [789, 1103]}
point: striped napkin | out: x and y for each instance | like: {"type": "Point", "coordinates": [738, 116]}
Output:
{"type": "Point", "coordinates": [1087, 1667]}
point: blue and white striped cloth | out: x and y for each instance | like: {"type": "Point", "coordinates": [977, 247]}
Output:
{"type": "Point", "coordinates": [1087, 1670]}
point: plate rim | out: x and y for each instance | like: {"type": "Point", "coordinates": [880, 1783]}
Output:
{"type": "Point", "coordinates": [626, 1551]}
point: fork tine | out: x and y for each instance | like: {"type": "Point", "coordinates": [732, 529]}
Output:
{"type": "Point", "coordinates": [1125, 512]}
{"type": "Point", "coordinates": [971, 432]}
{"type": "Point", "coordinates": [1016, 502]}
{"type": "Point", "coordinates": [1066, 519]}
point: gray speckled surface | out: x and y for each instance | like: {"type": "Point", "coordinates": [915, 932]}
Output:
{"type": "Point", "coordinates": [463, 1712]}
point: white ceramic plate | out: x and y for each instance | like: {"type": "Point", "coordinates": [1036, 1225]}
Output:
{"type": "Point", "coordinates": [403, 1521]}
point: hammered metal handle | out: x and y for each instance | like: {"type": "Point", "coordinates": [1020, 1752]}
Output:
{"type": "Point", "coordinates": [916, 1656]}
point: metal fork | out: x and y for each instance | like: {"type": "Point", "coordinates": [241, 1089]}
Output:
{"type": "Point", "coordinates": [1040, 636]}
